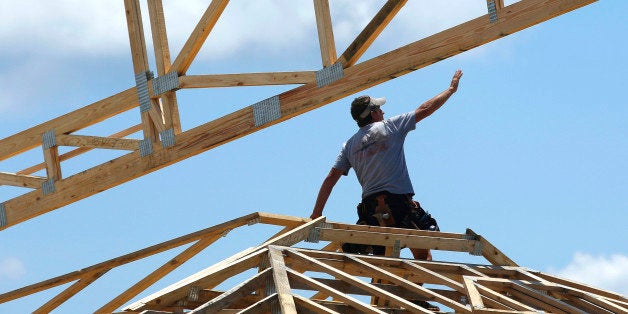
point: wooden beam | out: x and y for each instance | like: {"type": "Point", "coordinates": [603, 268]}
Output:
{"type": "Point", "coordinates": [81, 150]}
{"type": "Point", "coordinates": [53, 164]}
{"type": "Point", "coordinates": [247, 79]}
{"type": "Point", "coordinates": [194, 43]}
{"type": "Point", "coordinates": [295, 276]}
{"type": "Point", "coordinates": [178, 290]}
{"type": "Point", "coordinates": [159, 273]}
{"type": "Point", "coordinates": [580, 286]}
{"type": "Point", "coordinates": [261, 306]}
{"type": "Point", "coordinates": [386, 239]}
{"type": "Point", "coordinates": [235, 293]}
{"type": "Point", "coordinates": [473, 295]}
{"type": "Point", "coordinates": [128, 258]}
{"type": "Point", "coordinates": [25, 181]}
{"type": "Point", "coordinates": [294, 102]}
{"type": "Point", "coordinates": [140, 62]}
{"type": "Point", "coordinates": [160, 36]}
{"type": "Point", "coordinates": [502, 298]}
{"type": "Point", "coordinates": [66, 294]}
{"type": "Point", "coordinates": [136, 35]}
{"type": "Point", "coordinates": [435, 277]}
{"type": "Point", "coordinates": [206, 279]}
{"type": "Point", "coordinates": [408, 285]}
{"type": "Point", "coordinates": [70, 122]}
{"type": "Point", "coordinates": [309, 305]}
{"type": "Point", "coordinates": [170, 107]}
{"type": "Point", "coordinates": [492, 253]}
{"type": "Point", "coordinates": [364, 40]}
{"type": "Point", "coordinates": [282, 220]}
{"type": "Point", "coordinates": [282, 284]}
{"type": "Point", "coordinates": [97, 142]}
{"type": "Point", "coordinates": [325, 32]}
{"type": "Point", "coordinates": [375, 291]}
{"type": "Point", "coordinates": [542, 299]}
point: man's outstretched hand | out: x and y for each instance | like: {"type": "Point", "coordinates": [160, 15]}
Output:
{"type": "Point", "coordinates": [455, 80]}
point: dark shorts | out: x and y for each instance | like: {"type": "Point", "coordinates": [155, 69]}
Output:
{"type": "Point", "coordinates": [390, 210]}
{"type": "Point", "coordinates": [395, 210]}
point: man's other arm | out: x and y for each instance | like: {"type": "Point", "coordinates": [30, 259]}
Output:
{"type": "Point", "coordinates": [324, 192]}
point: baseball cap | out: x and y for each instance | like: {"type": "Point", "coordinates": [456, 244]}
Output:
{"type": "Point", "coordinates": [363, 105]}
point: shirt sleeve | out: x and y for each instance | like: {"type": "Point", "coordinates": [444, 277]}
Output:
{"type": "Point", "coordinates": [403, 123]}
{"type": "Point", "coordinates": [342, 161]}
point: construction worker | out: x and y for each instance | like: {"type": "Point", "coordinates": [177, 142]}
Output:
{"type": "Point", "coordinates": [376, 154]}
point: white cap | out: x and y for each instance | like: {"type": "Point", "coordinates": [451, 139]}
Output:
{"type": "Point", "coordinates": [374, 102]}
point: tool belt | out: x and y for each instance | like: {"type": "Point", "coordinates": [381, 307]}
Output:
{"type": "Point", "coordinates": [394, 210]}
{"type": "Point", "coordinates": [389, 210]}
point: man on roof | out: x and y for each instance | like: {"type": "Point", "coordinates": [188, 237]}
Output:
{"type": "Point", "coordinates": [376, 154]}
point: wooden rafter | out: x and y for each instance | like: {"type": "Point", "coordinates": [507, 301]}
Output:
{"type": "Point", "coordinates": [325, 32]}
{"type": "Point", "coordinates": [285, 269]}
{"type": "Point", "coordinates": [194, 43]}
{"type": "Point", "coordinates": [355, 77]}
{"type": "Point", "coordinates": [364, 40]}
{"type": "Point", "coordinates": [33, 182]}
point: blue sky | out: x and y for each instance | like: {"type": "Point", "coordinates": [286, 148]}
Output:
{"type": "Point", "coordinates": [530, 153]}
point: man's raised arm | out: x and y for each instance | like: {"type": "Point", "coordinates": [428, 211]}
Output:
{"type": "Point", "coordinates": [428, 107]}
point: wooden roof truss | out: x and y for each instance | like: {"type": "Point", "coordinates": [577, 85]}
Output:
{"type": "Point", "coordinates": [282, 278]}
{"type": "Point", "coordinates": [164, 141]}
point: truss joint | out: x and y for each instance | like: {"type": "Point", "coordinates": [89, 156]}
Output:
{"type": "Point", "coordinates": [330, 74]}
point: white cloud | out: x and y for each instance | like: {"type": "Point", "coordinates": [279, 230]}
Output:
{"type": "Point", "coordinates": [69, 26]}
{"type": "Point", "coordinates": [11, 268]}
{"type": "Point", "coordinates": [605, 272]}
{"type": "Point", "coordinates": [99, 26]}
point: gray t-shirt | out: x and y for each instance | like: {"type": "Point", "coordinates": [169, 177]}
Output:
{"type": "Point", "coordinates": [376, 154]}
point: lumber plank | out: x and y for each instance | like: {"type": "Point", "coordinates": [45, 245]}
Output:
{"type": "Point", "coordinates": [97, 142]}
{"type": "Point", "coordinates": [307, 304]}
{"type": "Point", "coordinates": [501, 298]}
{"type": "Point", "coordinates": [234, 293]}
{"type": "Point", "coordinates": [296, 276]}
{"type": "Point", "coordinates": [282, 284]}
{"type": "Point", "coordinates": [247, 79]}
{"type": "Point", "coordinates": [178, 290]}
{"type": "Point", "coordinates": [492, 253]}
{"type": "Point", "coordinates": [127, 258]}
{"type": "Point", "coordinates": [194, 43]}
{"type": "Point", "coordinates": [282, 220]}
{"type": "Point", "coordinates": [325, 32]}
{"type": "Point", "coordinates": [66, 294]}
{"type": "Point", "coordinates": [375, 291]}
{"type": "Point", "coordinates": [81, 150]}
{"type": "Point", "coordinates": [364, 40]}
{"type": "Point", "coordinates": [580, 286]}
{"type": "Point", "coordinates": [70, 122]}
{"type": "Point", "coordinates": [157, 274]}
{"type": "Point", "coordinates": [404, 231]}
{"type": "Point", "coordinates": [600, 301]}
{"type": "Point", "coordinates": [401, 61]}
{"type": "Point", "coordinates": [435, 277]}
{"type": "Point", "coordinates": [261, 306]}
{"type": "Point", "coordinates": [140, 62]}
{"type": "Point", "coordinates": [160, 36]}
{"type": "Point", "coordinates": [21, 180]}
{"type": "Point", "coordinates": [136, 35]}
{"type": "Point", "coordinates": [405, 241]}
{"type": "Point", "coordinates": [53, 164]}
{"type": "Point", "coordinates": [206, 279]}
{"type": "Point", "coordinates": [473, 295]}
{"type": "Point", "coordinates": [411, 286]}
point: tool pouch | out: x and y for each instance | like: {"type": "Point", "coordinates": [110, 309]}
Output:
{"type": "Point", "coordinates": [417, 218]}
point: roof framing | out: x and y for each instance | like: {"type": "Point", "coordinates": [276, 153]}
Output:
{"type": "Point", "coordinates": [165, 142]}
{"type": "Point", "coordinates": [282, 278]}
